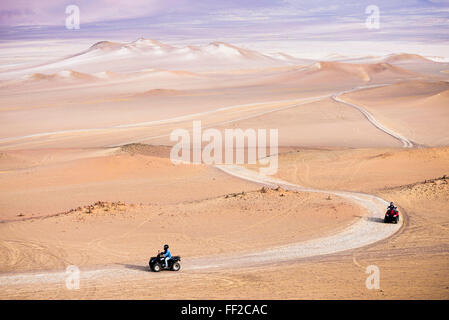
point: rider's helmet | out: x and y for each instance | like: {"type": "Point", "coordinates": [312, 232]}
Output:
{"type": "Point", "coordinates": [166, 247]}
{"type": "Point", "coordinates": [391, 204]}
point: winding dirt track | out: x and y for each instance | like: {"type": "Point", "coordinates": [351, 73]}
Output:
{"type": "Point", "coordinates": [367, 230]}
{"type": "Point", "coordinates": [336, 97]}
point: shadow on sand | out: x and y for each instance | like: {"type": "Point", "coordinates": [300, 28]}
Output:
{"type": "Point", "coordinates": [376, 219]}
{"type": "Point", "coordinates": [135, 267]}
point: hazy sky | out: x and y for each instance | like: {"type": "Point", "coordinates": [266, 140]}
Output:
{"type": "Point", "coordinates": [262, 23]}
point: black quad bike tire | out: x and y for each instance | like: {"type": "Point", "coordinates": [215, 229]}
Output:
{"type": "Point", "coordinates": [176, 266]}
{"type": "Point", "coordinates": [156, 267]}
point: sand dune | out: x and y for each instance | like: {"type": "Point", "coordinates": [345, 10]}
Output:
{"type": "Point", "coordinates": [411, 89]}
{"type": "Point", "coordinates": [407, 58]}
{"type": "Point", "coordinates": [332, 74]}
{"type": "Point", "coordinates": [418, 64]}
{"type": "Point", "coordinates": [147, 53]}
{"type": "Point", "coordinates": [141, 43]}
{"type": "Point", "coordinates": [366, 170]}
{"type": "Point", "coordinates": [65, 75]}
{"type": "Point", "coordinates": [364, 72]}
{"type": "Point", "coordinates": [41, 186]}
{"type": "Point", "coordinates": [50, 81]}
{"type": "Point", "coordinates": [417, 109]}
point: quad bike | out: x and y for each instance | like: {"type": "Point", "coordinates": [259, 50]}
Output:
{"type": "Point", "coordinates": [392, 215]}
{"type": "Point", "coordinates": [157, 263]}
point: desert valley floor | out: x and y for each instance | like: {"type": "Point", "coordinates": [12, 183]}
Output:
{"type": "Point", "coordinates": [86, 178]}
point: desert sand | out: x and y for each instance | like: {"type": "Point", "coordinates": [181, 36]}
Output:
{"type": "Point", "coordinates": [86, 178]}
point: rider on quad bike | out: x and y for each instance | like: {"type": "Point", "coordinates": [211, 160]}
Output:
{"type": "Point", "coordinates": [392, 214]}
{"type": "Point", "coordinates": [165, 261]}
{"type": "Point", "coordinates": [391, 206]}
{"type": "Point", "coordinates": [167, 255]}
